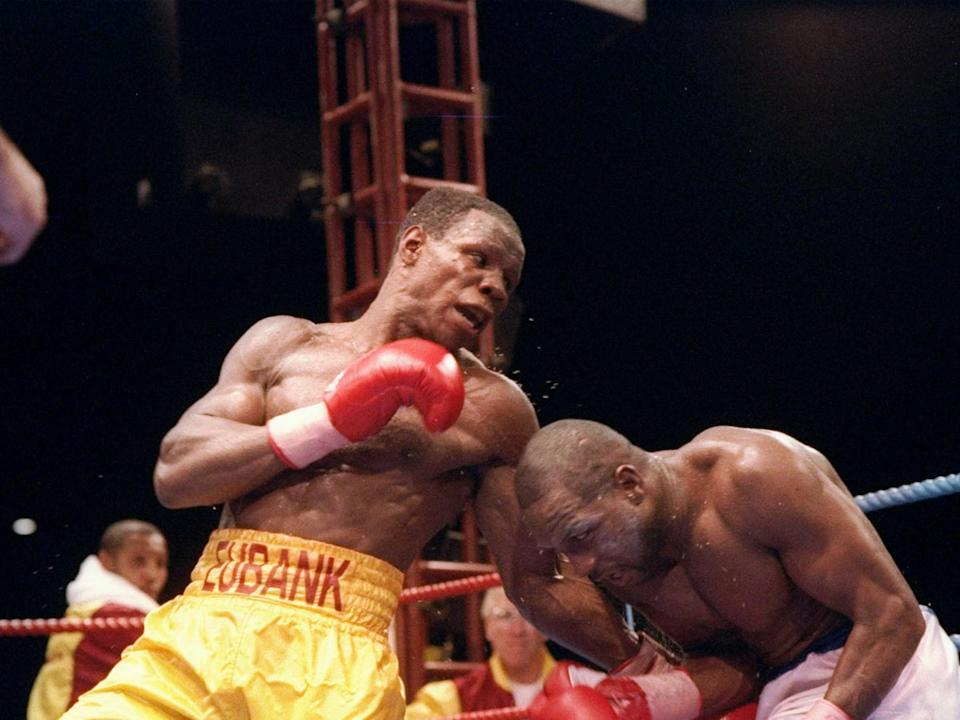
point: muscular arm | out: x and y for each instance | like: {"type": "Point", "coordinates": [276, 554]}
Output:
{"type": "Point", "coordinates": [571, 611]}
{"type": "Point", "coordinates": [797, 506]}
{"type": "Point", "coordinates": [218, 450]}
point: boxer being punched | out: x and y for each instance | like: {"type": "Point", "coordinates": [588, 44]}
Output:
{"type": "Point", "coordinates": [739, 539]}
{"type": "Point", "coordinates": [338, 450]}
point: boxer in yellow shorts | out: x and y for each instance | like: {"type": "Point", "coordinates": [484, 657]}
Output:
{"type": "Point", "coordinates": [275, 627]}
{"type": "Point", "coordinates": [309, 432]}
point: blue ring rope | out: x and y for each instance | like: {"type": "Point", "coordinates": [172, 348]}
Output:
{"type": "Point", "coordinates": [912, 492]}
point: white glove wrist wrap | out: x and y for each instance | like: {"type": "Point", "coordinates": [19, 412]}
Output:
{"type": "Point", "coordinates": [671, 695]}
{"type": "Point", "coordinates": [580, 675]}
{"type": "Point", "coordinates": [304, 435]}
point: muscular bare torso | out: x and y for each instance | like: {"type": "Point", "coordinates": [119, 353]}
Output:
{"type": "Point", "coordinates": [388, 495]}
{"type": "Point", "coordinates": [725, 586]}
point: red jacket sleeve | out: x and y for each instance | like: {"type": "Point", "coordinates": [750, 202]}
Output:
{"type": "Point", "coordinates": [99, 651]}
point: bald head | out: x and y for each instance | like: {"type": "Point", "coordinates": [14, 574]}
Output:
{"type": "Point", "coordinates": [579, 455]}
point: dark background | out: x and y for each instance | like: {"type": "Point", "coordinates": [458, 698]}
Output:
{"type": "Point", "coordinates": [734, 213]}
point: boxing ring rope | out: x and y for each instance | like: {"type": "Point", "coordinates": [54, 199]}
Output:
{"type": "Point", "coordinates": [19, 628]}
{"type": "Point", "coordinates": [450, 588]}
{"type": "Point", "coordinates": [48, 626]}
{"type": "Point", "coordinates": [902, 495]}
{"type": "Point", "coordinates": [868, 502]}
{"type": "Point", "coordinates": [910, 493]}
{"type": "Point", "coordinates": [507, 713]}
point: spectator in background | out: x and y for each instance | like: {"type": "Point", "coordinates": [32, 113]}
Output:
{"type": "Point", "coordinates": [123, 579]}
{"type": "Point", "coordinates": [511, 677]}
{"type": "Point", "coordinates": [23, 202]}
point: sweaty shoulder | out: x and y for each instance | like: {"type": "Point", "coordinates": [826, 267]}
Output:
{"type": "Point", "coordinates": [746, 448]}
{"type": "Point", "coordinates": [268, 340]}
{"type": "Point", "coordinates": [754, 467]}
{"type": "Point", "coordinates": [500, 406]}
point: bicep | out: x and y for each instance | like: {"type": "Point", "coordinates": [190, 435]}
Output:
{"type": "Point", "coordinates": [240, 393]}
{"type": "Point", "coordinates": [235, 400]}
{"type": "Point", "coordinates": [227, 408]}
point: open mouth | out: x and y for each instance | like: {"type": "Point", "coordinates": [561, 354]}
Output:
{"type": "Point", "coordinates": [476, 317]}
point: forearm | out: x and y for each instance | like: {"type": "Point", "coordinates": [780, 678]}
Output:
{"type": "Point", "coordinates": [574, 613]}
{"type": "Point", "coordinates": [873, 658]}
{"type": "Point", "coordinates": [208, 460]}
{"type": "Point", "coordinates": [570, 610]}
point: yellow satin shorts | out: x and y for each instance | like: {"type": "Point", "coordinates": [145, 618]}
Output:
{"type": "Point", "coordinates": [271, 626]}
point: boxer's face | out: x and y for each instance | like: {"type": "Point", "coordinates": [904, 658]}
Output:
{"type": "Point", "coordinates": [603, 538]}
{"type": "Point", "coordinates": [142, 560]}
{"type": "Point", "coordinates": [463, 280]}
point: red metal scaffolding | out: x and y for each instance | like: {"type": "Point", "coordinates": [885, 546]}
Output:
{"type": "Point", "coordinates": [366, 107]}
{"type": "Point", "coordinates": [389, 69]}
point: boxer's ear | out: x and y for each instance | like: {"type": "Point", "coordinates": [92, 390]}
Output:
{"type": "Point", "coordinates": [106, 559]}
{"type": "Point", "coordinates": [411, 244]}
{"type": "Point", "coordinates": [630, 482]}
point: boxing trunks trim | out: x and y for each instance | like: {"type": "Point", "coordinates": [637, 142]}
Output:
{"type": "Point", "coordinates": [340, 583]}
{"type": "Point", "coordinates": [831, 641]}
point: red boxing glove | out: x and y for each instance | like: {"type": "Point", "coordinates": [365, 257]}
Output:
{"type": "Point", "coordinates": [363, 398]}
{"type": "Point", "coordinates": [572, 703]}
{"type": "Point", "coordinates": [669, 695]}
{"type": "Point", "coordinates": [406, 372]}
